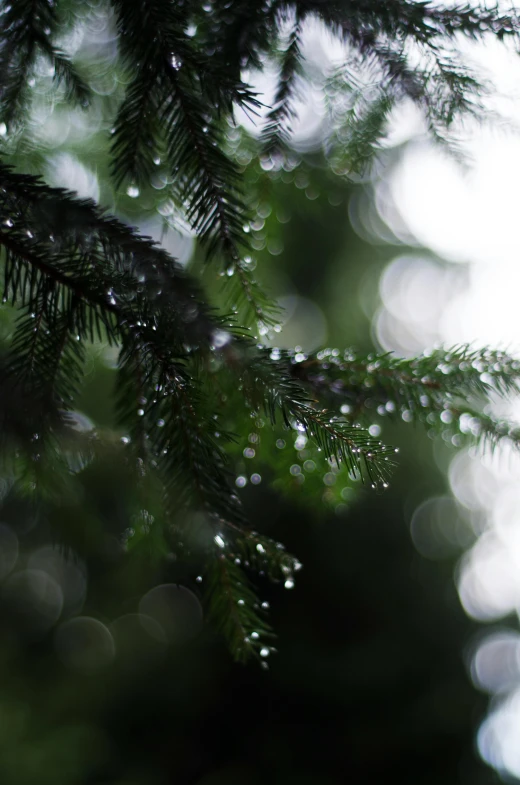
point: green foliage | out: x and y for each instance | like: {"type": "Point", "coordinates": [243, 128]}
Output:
{"type": "Point", "coordinates": [190, 376]}
{"type": "Point", "coordinates": [445, 389]}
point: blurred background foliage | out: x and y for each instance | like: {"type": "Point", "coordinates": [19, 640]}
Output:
{"type": "Point", "coordinates": [369, 684]}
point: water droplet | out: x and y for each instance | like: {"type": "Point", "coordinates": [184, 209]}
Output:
{"type": "Point", "coordinates": [199, 578]}
{"type": "Point", "coordinates": [220, 338]}
{"type": "Point", "coordinates": [140, 412]}
{"type": "Point", "coordinates": [241, 481]}
{"type": "Point", "coordinates": [289, 583]}
{"type": "Point", "coordinates": [280, 444]}
{"type": "Point", "coordinates": [256, 479]}
{"type": "Point", "coordinates": [219, 540]}
{"type": "Point", "coordinates": [125, 439]}
{"type": "Point", "coordinates": [133, 191]}
{"type": "Point", "coordinates": [160, 423]}
{"type": "Point", "coordinates": [249, 452]}
{"type": "Point", "coordinates": [264, 652]}
{"type": "Point", "coordinates": [265, 605]}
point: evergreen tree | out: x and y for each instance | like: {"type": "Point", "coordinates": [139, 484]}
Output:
{"type": "Point", "coordinates": [196, 363]}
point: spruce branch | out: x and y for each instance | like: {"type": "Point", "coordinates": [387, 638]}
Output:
{"type": "Point", "coordinates": [441, 389]}
{"type": "Point", "coordinates": [172, 81]}
{"type": "Point", "coordinates": [276, 131]}
{"type": "Point", "coordinates": [234, 609]}
{"type": "Point", "coordinates": [117, 275]}
{"type": "Point", "coordinates": [27, 29]}
{"type": "Point", "coordinates": [268, 385]}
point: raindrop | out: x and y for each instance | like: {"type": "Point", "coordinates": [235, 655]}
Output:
{"type": "Point", "coordinates": [289, 583]}
{"type": "Point", "coordinates": [133, 191]}
{"type": "Point", "coordinates": [249, 452]}
{"type": "Point", "coordinates": [264, 651]}
{"type": "Point", "coordinates": [220, 338]}
{"type": "Point", "coordinates": [256, 479]}
{"type": "Point", "coordinates": [240, 481]}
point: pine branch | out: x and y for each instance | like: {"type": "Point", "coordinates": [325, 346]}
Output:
{"type": "Point", "coordinates": [434, 389]}
{"type": "Point", "coordinates": [41, 377]}
{"type": "Point", "coordinates": [234, 609]}
{"type": "Point", "coordinates": [459, 371]}
{"type": "Point", "coordinates": [265, 556]}
{"type": "Point", "coordinates": [276, 132]}
{"type": "Point", "coordinates": [117, 275]}
{"type": "Point", "coordinates": [268, 385]}
{"type": "Point", "coordinates": [381, 40]}
{"type": "Point", "coordinates": [242, 32]}
{"type": "Point", "coordinates": [27, 28]}
{"type": "Point", "coordinates": [173, 80]}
